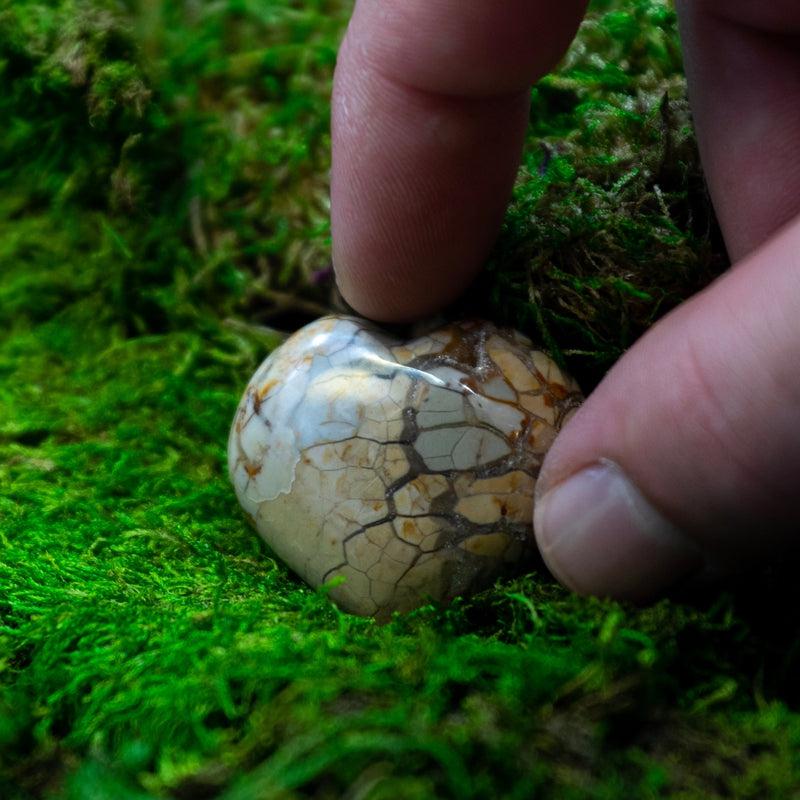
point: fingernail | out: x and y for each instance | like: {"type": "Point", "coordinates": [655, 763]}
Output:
{"type": "Point", "coordinates": [599, 535]}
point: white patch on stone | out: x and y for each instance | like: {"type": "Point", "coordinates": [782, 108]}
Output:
{"type": "Point", "coordinates": [450, 377]}
{"type": "Point", "coordinates": [498, 388]}
{"type": "Point", "coordinates": [502, 417]}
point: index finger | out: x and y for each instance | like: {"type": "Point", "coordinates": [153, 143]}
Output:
{"type": "Point", "coordinates": [429, 112]}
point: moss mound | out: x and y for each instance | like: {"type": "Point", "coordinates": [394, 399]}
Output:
{"type": "Point", "coordinates": [163, 217]}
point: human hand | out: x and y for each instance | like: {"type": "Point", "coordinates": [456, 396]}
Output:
{"type": "Point", "coordinates": [688, 453]}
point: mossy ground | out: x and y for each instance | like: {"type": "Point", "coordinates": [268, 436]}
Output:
{"type": "Point", "coordinates": [164, 209]}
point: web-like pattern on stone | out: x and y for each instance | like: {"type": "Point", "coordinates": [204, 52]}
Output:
{"type": "Point", "coordinates": [405, 469]}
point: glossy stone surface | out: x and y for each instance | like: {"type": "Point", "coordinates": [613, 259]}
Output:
{"type": "Point", "coordinates": [406, 469]}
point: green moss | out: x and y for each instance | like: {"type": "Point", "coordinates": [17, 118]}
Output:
{"type": "Point", "coordinates": [610, 225]}
{"type": "Point", "coordinates": [167, 169]}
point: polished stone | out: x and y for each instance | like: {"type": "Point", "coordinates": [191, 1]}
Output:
{"type": "Point", "coordinates": [404, 469]}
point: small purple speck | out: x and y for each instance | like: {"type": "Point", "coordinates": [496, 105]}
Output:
{"type": "Point", "coordinates": [320, 277]}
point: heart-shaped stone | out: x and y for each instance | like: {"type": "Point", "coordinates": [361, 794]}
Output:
{"type": "Point", "coordinates": [405, 470]}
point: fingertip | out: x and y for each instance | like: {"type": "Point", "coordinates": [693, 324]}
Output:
{"type": "Point", "coordinates": [429, 114]}
{"type": "Point", "coordinates": [418, 192]}
{"type": "Point", "coordinates": [380, 294]}
{"type": "Point", "coordinates": [482, 48]}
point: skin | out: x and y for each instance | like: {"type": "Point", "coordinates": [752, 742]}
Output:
{"type": "Point", "coordinates": [687, 456]}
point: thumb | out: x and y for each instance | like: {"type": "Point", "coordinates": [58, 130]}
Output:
{"type": "Point", "coordinates": [688, 453]}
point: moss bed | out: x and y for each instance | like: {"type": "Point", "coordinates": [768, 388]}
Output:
{"type": "Point", "coordinates": [163, 218]}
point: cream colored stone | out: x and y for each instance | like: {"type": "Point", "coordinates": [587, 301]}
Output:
{"type": "Point", "coordinates": [403, 354]}
{"type": "Point", "coordinates": [416, 496]}
{"type": "Point", "coordinates": [354, 466]}
{"type": "Point", "coordinates": [382, 593]}
{"type": "Point", "coordinates": [354, 592]}
{"type": "Point", "coordinates": [544, 365]}
{"type": "Point", "coordinates": [359, 453]}
{"type": "Point", "coordinates": [505, 418]}
{"type": "Point", "coordinates": [380, 535]}
{"type": "Point", "coordinates": [498, 388]}
{"type": "Point", "coordinates": [394, 464]}
{"type": "Point", "coordinates": [483, 509]}
{"type": "Point", "coordinates": [400, 388]}
{"type": "Point", "coordinates": [516, 508]}
{"type": "Point", "coordinates": [360, 550]}
{"type": "Point", "coordinates": [416, 530]}
{"type": "Point", "coordinates": [428, 576]}
{"type": "Point", "coordinates": [514, 369]}
{"type": "Point", "coordinates": [387, 570]}
{"type": "Point", "coordinates": [542, 436]}
{"type": "Point", "coordinates": [538, 405]}
{"type": "Point", "coordinates": [510, 482]}
{"type": "Point", "coordinates": [441, 339]}
{"type": "Point", "coordinates": [401, 551]}
{"type": "Point", "coordinates": [480, 509]}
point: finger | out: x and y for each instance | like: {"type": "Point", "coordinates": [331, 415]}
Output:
{"type": "Point", "coordinates": [688, 453]}
{"type": "Point", "coordinates": [429, 112]}
{"type": "Point", "coordinates": [743, 65]}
